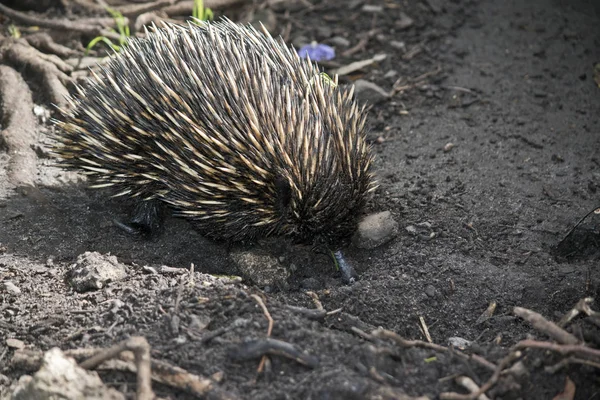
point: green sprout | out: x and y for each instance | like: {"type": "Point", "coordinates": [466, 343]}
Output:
{"type": "Point", "coordinates": [430, 359]}
{"type": "Point", "coordinates": [14, 31]}
{"type": "Point", "coordinates": [325, 78]}
{"type": "Point", "coordinates": [200, 13]}
{"type": "Point", "coordinates": [122, 29]}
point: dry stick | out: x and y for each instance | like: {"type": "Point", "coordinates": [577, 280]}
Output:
{"type": "Point", "coordinates": [315, 299]}
{"type": "Point", "coordinates": [93, 27]}
{"type": "Point", "coordinates": [162, 372]}
{"type": "Point", "coordinates": [471, 386]}
{"type": "Point", "coordinates": [262, 305]}
{"type": "Point", "coordinates": [141, 349]}
{"type": "Point", "coordinates": [19, 127]}
{"type": "Point", "coordinates": [595, 210]}
{"type": "Point", "coordinates": [564, 349]}
{"type": "Point", "coordinates": [582, 306]}
{"type": "Point", "coordinates": [513, 355]}
{"type": "Point", "coordinates": [543, 325]}
{"type": "Point", "coordinates": [425, 329]}
{"type": "Point", "coordinates": [385, 334]}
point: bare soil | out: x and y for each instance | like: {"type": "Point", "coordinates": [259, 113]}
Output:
{"type": "Point", "coordinates": [487, 157]}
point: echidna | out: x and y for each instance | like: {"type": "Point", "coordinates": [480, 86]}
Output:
{"type": "Point", "coordinates": [228, 127]}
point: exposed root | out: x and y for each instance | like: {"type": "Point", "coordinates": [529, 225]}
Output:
{"type": "Point", "coordinates": [51, 68]}
{"type": "Point", "coordinates": [44, 42]}
{"type": "Point", "coordinates": [89, 27]}
{"type": "Point", "coordinates": [20, 126]}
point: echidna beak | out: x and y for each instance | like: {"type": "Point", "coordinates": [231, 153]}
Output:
{"type": "Point", "coordinates": [349, 275]}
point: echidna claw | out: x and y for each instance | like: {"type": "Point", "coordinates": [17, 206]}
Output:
{"type": "Point", "coordinates": [146, 219]}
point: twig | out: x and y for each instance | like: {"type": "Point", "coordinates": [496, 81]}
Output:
{"type": "Point", "coordinates": [425, 329]}
{"type": "Point", "coordinates": [471, 386]}
{"type": "Point", "coordinates": [564, 349]}
{"type": "Point", "coordinates": [269, 329]}
{"type": "Point", "coordinates": [141, 350]}
{"type": "Point", "coordinates": [513, 355]}
{"type": "Point", "coordinates": [582, 306]}
{"type": "Point", "coordinates": [315, 299]}
{"type": "Point", "coordinates": [385, 334]}
{"type": "Point", "coordinates": [595, 210]}
{"type": "Point", "coordinates": [162, 372]}
{"type": "Point", "coordinates": [543, 325]}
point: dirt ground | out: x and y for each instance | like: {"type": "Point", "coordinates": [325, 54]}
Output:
{"type": "Point", "coordinates": [488, 153]}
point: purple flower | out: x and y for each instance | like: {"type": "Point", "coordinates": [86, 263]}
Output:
{"type": "Point", "coordinates": [317, 52]}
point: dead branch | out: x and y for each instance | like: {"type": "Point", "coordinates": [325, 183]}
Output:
{"type": "Point", "coordinates": [262, 305]}
{"type": "Point", "coordinates": [141, 350]}
{"type": "Point", "coordinates": [543, 325]}
{"type": "Point", "coordinates": [161, 371]}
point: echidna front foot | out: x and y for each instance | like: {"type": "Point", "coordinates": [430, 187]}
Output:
{"type": "Point", "coordinates": [146, 220]}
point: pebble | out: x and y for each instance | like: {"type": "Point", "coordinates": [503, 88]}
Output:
{"type": "Point", "coordinates": [430, 291]}
{"type": "Point", "coordinates": [93, 271]}
{"type": "Point", "coordinates": [15, 343]}
{"type": "Point", "coordinates": [11, 288]}
{"type": "Point", "coordinates": [375, 230]}
{"type": "Point", "coordinates": [259, 267]}
{"type": "Point", "coordinates": [459, 343]}
{"type": "Point", "coordinates": [369, 92]}
{"type": "Point", "coordinates": [372, 8]}
{"type": "Point", "coordinates": [404, 22]}
{"type": "Point", "coordinates": [339, 41]}
{"type": "Point", "coordinates": [390, 74]}
{"type": "Point", "coordinates": [398, 45]}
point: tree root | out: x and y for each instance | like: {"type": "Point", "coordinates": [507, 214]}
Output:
{"type": "Point", "coordinates": [20, 126]}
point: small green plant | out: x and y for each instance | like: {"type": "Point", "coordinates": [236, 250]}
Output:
{"type": "Point", "coordinates": [122, 30]}
{"type": "Point", "coordinates": [327, 80]}
{"type": "Point", "coordinates": [200, 13]}
{"type": "Point", "coordinates": [14, 31]}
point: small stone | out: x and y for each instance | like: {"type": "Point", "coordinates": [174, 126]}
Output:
{"type": "Point", "coordinates": [198, 322]}
{"type": "Point", "coordinates": [11, 288]}
{"type": "Point", "coordinates": [15, 343]}
{"type": "Point", "coordinates": [430, 291]}
{"type": "Point", "coordinates": [372, 8]}
{"type": "Point", "coordinates": [404, 22]}
{"type": "Point", "coordinates": [339, 41]}
{"type": "Point", "coordinates": [375, 230]}
{"type": "Point", "coordinates": [459, 343]}
{"type": "Point", "coordinates": [390, 74]}
{"type": "Point", "coordinates": [398, 45]}
{"type": "Point", "coordinates": [411, 229]}
{"type": "Point", "coordinates": [94, 270]}
{"type": "Point", "coordinates": [448, 147]}
{"type": "Point", "coordinates": [260, 267]}
{"type": "Point", "coordinates": [369, 92]}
